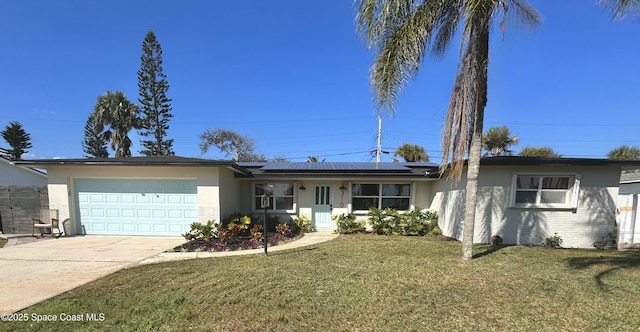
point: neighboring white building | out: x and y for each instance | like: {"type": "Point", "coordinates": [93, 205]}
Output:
{"type": "Point", "coordinates": [628, 216]}
{"type": "Point", "coordinates": [16, 175]}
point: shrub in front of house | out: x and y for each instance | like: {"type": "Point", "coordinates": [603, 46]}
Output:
{"type": "Point", "coordinates": [283, 229]}
{"type": "Point", "coordinates": [202, 232]}
{"type": "Point", "coordinates": [383, 221]}
{"type": "Point", "coordinates": [389, 221]}
{"type": "Point", "coordinates": [554, 241]}
{"type": "Point", "coordinates": [607, 241]}
{"type": "Point", "coordinates": [303, 223]}
{"type": "Point", "coordinates": [347, 224]}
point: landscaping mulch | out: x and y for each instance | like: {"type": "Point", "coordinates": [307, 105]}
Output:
{"type": "Point", "coordinates": [216, 245]}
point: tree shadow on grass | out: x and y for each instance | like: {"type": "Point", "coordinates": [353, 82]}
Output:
{"type": "Point", "coordinates": [489, 250]}
{"type": "Point", "coordinates": [611, 264]}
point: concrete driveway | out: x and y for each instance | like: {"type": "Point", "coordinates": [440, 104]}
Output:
{"type": "Point", "coordinates": [35, 271]}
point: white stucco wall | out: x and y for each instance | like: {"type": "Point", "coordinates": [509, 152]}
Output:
{"type": "Point", "coordinates": [593, 218]}
{"type": "Point", "coordinates": [61, 195]}
{"type": "Point", "coordinates": [20, 176]}
{"type": "Point", "coordinates": [230, 199]}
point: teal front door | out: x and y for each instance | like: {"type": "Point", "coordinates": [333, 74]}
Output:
{"type": "Point", "coordinates": [322, 207]}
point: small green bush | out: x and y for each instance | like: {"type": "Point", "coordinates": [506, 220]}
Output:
{"type": "Point", "coordinates": [606, 241]}
{"type": "Point", "coordinates": [383, 221]}
{"type": "Point", "coordinates": [347, 224]}
{"type": "Point", "coordinates": [554, 241]}
{"type": "Point", "coordinates": [202, 232]}
{"type": "Point", "coordinates": [303, 223]}
{"type": "Point", "coordinates": [496, 240]}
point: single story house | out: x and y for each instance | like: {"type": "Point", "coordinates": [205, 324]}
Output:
{"type": "Point", "coordinates": [521, 199]}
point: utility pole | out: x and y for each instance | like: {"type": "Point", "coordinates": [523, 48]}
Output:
{"type": "Point", "coordinates": [379, 148]}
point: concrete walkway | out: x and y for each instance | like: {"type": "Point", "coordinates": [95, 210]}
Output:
{"type": "Point", "coordinates": [33, 270]}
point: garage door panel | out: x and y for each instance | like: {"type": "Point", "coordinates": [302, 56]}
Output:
{"type": "Point", "coordinates": [97, 227]}
{"type": "Point", "coordinates": [96, 213]}
{"type": "Point", "coordinates": [129, 228]}
{"type": "Point", "coordinates": [175, 214]}
{"type": "Point", "coordinates": [160, 228]}
{"type": "Point", "coordinates": [144, 228]}
{"type": "Point", "coordinates": [143, 213]}
{"type": "Point", "coordinates": [136, 207]}
{"type": "Point", "coordinates": [174, 199]}
{"type": "Point", "coordinates": [159, 199]}
{"type": "Point", "coordinates": [114, 228]}
{"type": "Point", "coordinates": [113, 213]}
{"type": "Point", "coordinates": [128, 213]}
{"type": "Point", "coordinates": [96, 198]}
{"type": "Point", "coordinates": [127, 198]}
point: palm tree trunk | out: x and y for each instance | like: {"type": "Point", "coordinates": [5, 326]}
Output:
{"type": "Point", "coordinates": [479, 41]}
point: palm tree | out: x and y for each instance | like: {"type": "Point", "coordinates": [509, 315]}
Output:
{"type": "Point", "coordinates": [411, 152]}
{"type": "Point", "coordinates": [619, 8]}
{"type": "Point", "coordinates": [114, 110]}
{"type": "Point", "coordinates": [534, 151]}
{"type": "Point", "coordinates": [402, 32]}
{"type": "Point", "coordinates": [625, 152]}
{"type": "Point", "coordinates": [497, 140]}
{"type": "Point", "coordinates": [314, 159]}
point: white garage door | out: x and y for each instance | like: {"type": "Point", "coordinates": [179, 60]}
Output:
{"type": "Point", "coordinates": [136, 206]}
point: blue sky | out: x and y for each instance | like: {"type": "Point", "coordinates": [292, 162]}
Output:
{"type": "Point", "coordinates": [293, 75]}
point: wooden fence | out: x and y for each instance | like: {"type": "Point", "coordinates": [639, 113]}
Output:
{"type": "Point", "coordinates": [18, 204]}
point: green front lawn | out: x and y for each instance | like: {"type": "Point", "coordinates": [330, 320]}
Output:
{"type": "Point", "coordinates": [365, 283]}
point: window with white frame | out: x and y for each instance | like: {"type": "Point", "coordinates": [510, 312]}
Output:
{"type": "Point", "coordinates": [544, 190]}
{"type": "Point", "coordinates": [280, 195]}
{"type": "Point", "coordinates": [380, 195]}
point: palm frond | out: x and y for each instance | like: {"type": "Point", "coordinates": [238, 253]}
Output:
{"type": "Point", "coordinates": [404, 45]}
{"type": "Point", "coordinates": [469, 97]}
{"type": "Point", "coordinates": [619, 8]}
{"type": "Point", "coordinates": [447, 23]}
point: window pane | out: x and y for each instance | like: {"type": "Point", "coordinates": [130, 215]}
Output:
{"type": "Point", "coordinates": [553, 197]}
{"type": "Point", "coordinates": [396, 190]}
{"type": "Point", "coordinates": [396, 203]}
{"type": "Point", "coordinates": [284, 203]}
{"type": "Point", "coordinates": [259, 189]}
{"type": "Point", "coordinates": [365, 190]}
{"type": "Point", "coordinates": [527, 182]}
{"type": "Point", "coordinates": [555, 182]}
{"type": "Point", "coordinates": [526, 197]}
{"type": "Point", "coordinates": [364, 203]}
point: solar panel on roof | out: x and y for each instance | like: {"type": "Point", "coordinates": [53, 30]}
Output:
{"type": "Point", "coordinates": [334, 166]}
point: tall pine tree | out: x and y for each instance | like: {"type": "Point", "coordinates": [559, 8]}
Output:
{"type": "Point", "coordinates": [94, 145]}
{"type": "Point", "coordinates": [18, 140]}
{"type": "Point", "coordinates": [155, 106]}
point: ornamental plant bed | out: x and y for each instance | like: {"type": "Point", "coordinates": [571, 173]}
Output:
{"type": "Point", "coordinates": [241, 243]}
